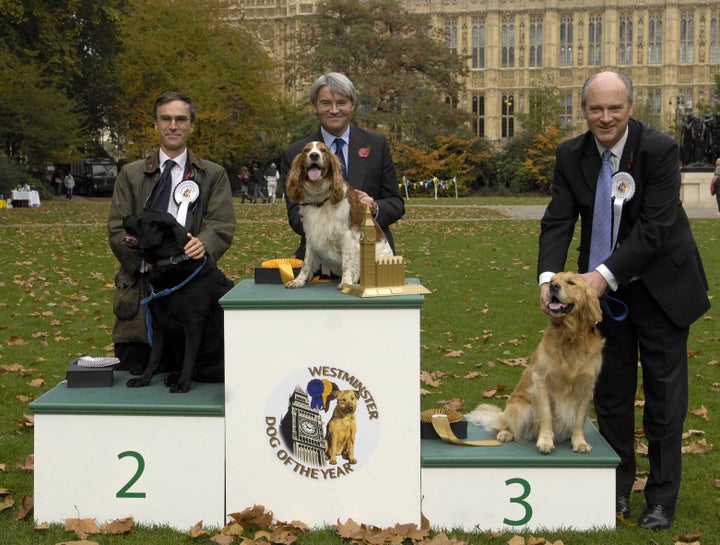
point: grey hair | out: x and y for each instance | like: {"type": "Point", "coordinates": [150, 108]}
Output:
{"type": "Point", "coordinates": [626, 80]}
{"type": "Point", "coordinates": [337, 83]}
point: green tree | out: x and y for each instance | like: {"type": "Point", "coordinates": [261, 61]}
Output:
{"type": "Point", "coordinates": [407, 79]}
{"type": "Point", "coordinates": [185, 45]}
{"type": "Point", "coordinates": [528, 160]}
{"type": "Point", "coordinates": [39, 124]}
{"type": "Point", "coordinates": [39, 121]}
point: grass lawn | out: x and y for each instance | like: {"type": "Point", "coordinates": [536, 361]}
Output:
{"type": "Point", "coordinates": [56, 281]}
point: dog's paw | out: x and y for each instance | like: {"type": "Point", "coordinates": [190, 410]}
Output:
{"type": "Point", "coordinates": [332, 461]}
{"type": "Point", "coordinates": [136, 383]}
{"type": "Point", "coordinates": [581, 447]}
{"type": "Point", "coordinates": [545, 445]}
{"type": "Point", "coordinates": [179, 388]}
{"type": "Point", "coordinates": [505, 436]}
{"type": "Point", "coordinates": [171, 379]}
{"type": "Point", "coordinates": [294, 284]}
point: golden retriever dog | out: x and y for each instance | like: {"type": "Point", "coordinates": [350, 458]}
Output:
{"type": "Point", "coordinates": [342, 427]}
{"type": "Point", "coordinates": [551, 400]}
{"type": "Point", "coordinates": [331, 214]}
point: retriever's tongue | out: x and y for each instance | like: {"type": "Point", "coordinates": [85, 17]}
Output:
{"type": "Point", "coordinates": [314, 173]}
{"type": "Point", "coordinates": [555, 306]}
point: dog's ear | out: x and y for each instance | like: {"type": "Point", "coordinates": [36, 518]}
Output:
{"type": "Point", "coordinates": [594, 305]}
{"type": "Point", "coordinates": [337, 182]}
{"type": "Point", "coordinates": [131, 224]}
{"type": "Point", "coordinates": [152, 233]}
{"type": "Point", "coordinates": [294, 185]}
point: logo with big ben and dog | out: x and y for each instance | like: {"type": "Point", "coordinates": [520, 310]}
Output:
{"type": "Point", "coordinates": [322, 422]}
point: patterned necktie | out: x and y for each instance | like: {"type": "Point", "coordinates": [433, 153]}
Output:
{"type": "Point", "coordinates": [339, 143]}
{"type": "Point", "coordinates": [163, 187]}
{"type": "Point", "coordinates": [601, 239]}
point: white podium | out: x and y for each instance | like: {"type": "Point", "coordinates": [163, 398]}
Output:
{"type": "Point", "coordinates": [292, 358]}
{"type": "Point", "coordinates": [514, 487]}
{"type": "Point", "coordinates": [109, 453]}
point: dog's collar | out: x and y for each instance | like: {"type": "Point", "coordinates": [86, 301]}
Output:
{"type": "Point", "coordinates": [316, 204]}
{"type": "Point", "coordinates": [171, 260]}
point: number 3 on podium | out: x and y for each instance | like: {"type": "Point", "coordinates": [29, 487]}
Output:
{"type": "Point", "coordinates": [521, 501]}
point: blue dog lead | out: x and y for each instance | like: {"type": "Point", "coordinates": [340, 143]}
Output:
{"type": "Point", "coordinates": [167, 291]}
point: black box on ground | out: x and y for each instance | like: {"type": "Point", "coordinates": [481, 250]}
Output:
{"type": "Point", "coordinates": [88, 377]}
{"type": "Point", "coordinates": [271, 276]}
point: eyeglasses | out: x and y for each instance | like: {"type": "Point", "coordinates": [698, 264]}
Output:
{"type": "Point", "coordinates": [327, 105]}
{"type": "Point", "coordinates": [180, 120]}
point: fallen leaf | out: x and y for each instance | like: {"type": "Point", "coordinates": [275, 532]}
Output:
{"type": "Point", "coordinates": [253, 516]}
{"type": "Point", "coordinates": [197, 531]}
{"type": "Point", "coordinates": [222, 539]}
{"type": "Point", "coordinates": [691, 537]}
{"type": "Point", "coordinates": [6, 503]}
{"type": "Point", "coordinates": [453, 353]}
{"type": "Point", "coordinates": [454, 403]}
{"type": "Point", "coordinates": [26, 505]}
{"type": "Point", "coordinates": [29, 464]}
{"type": "Point", "coordinates": [702, 412]}
{"type": "Point", "coordinates": [697, 447]}
{"type": "Point", "coordinates": [82, 527]}
{"type": "Point", "coordinates": [349, 530]}
{"type": "Point", "coordinates": [120, 526]}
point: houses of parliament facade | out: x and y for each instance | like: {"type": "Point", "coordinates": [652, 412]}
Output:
{"type": "Point", "coordinates": [670, 50]}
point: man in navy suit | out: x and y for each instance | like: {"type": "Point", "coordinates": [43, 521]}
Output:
{"type": "Point", "coordinates": [369, 164]}
{"type": "Point", "coordinates": [653, 274]}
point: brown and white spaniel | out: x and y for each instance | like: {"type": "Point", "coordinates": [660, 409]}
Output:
{"type": "Point", "coordinates": [331, 214]}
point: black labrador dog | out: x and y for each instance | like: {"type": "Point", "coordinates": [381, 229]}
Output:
{"type": "Point", "coordinates": [185, 319]}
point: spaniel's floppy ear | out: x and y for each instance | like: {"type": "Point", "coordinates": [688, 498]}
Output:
{"type": "Point", "coordinates": [337, 182]}
{"type": "Point", "coordinates": [294, 185]}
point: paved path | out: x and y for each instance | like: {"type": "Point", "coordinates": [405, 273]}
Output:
{"type": "Point", "coordinates": [536, 211]}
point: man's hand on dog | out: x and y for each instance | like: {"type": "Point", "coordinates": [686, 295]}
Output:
{"type": "Point", "coordinates": [367, 200]}
{"type": "Point", "coordinates": [194, 249]}
{"type": "Point", "coordinates": [130, 240]}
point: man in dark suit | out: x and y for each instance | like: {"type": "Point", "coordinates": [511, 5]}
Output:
{"type": "Point", "coordinates": [368, 162]}
{"type": "Point", "coordinates": [652, 270]}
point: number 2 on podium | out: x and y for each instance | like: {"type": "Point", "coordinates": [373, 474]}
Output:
{"type": "Point", "coordinates": [124, 491]}
{"type": "Point", "coordinates": [521, 501]}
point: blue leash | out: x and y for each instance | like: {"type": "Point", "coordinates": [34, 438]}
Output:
{"type": "Point", "coordinates": [605, 301]}
{"type": "Point", "coordinates": [167, 291]}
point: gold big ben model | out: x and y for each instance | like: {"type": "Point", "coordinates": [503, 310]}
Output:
{"type": "Point", "coordinates": [380, 277]}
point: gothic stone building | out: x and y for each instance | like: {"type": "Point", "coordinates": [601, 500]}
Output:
{"type": "Point", "coordinates": [671, 51]}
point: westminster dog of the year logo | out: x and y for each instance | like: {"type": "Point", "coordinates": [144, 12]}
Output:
{"type": "Point", "coordinates": [322, 422]}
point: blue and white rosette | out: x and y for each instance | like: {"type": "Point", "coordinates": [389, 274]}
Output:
{"type": "Point", "coordinates": [623, 189]}
{"type": "Point", "coordinates": [186, 193]}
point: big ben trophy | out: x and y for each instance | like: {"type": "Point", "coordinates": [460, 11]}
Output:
{"type": "Point", "coordinates": [380, 277]}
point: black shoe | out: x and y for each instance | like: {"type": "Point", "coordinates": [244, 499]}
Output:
{"type": "Point", "coordinates": [622, 506]}
{"type": "Point", "coordinates": [657, 517]}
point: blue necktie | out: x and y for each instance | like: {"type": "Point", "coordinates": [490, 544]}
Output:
{"type": "Point", "coordinates": [339, 143]}
{"type": "Point", "coordinates": [163, 187]}
{"type": "Point", "coordinates": [601, 239]}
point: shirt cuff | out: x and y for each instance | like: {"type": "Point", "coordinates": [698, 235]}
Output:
{"type": "Point", "coordinates": [545, 277]}
{"type": "Point", "coordinates": [608, 276]}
